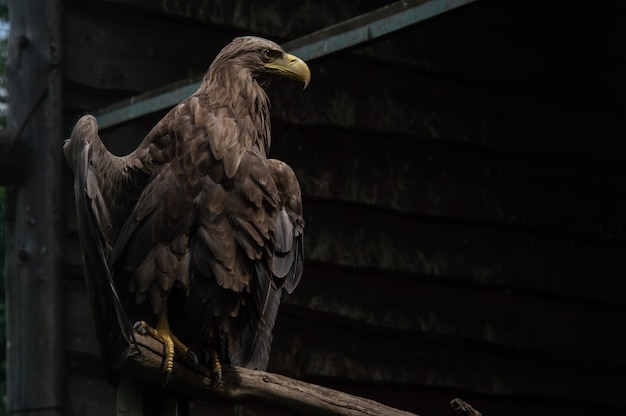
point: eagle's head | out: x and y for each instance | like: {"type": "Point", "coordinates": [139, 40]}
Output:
{"type": "Point", "coordinates": [260, 58]}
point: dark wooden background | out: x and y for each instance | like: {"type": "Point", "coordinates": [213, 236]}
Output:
{"type": "Point", "coordinates": [463, 183]}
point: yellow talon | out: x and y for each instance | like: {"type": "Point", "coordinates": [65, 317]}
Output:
{"type": "Point", "coordinates": [216, 367]}
{"type": "Point", "coordinates": [171, 343]}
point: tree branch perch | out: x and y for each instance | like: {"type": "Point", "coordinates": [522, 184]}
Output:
{"type": "Point", "coordinates": [241, 385]}
{"type": "Point", "coordinates": [464, 409]}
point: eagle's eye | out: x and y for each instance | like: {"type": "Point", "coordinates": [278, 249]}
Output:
{"type": "Point", "coordinates": [268, 54]}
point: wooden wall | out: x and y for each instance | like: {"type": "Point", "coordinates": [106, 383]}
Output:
{"type": "Point", "coordinates": [463, 189]}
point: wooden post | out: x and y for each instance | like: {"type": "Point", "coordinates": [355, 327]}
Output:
{"type": "Point", "coordinates": [33, 281]}
{"type": "Point", "coordinates": [13, 157]}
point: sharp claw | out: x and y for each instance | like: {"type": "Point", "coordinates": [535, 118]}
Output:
{"type": "Point", "coordinates": [172, 345]}
{"type": "Point", "coordinates": [212, 361]}
{"type": "Point", "coordinates": [216, 367]}
{"type": "Point", "coordinates": [218, 378]}
{"type": "Point", "coordinates": [194, 359]}
{"type": "Point", "coordinates": [140, 327]}
{"type": "Point", "coordinates": [168, 378]}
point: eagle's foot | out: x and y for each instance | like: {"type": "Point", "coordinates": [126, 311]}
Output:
{"type": "Point", "coordinates": [171, 344]}
{"type": "Point", "coordinates": [212, 361]}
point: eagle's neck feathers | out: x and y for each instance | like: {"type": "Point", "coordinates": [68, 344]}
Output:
{"type": "Point", "coordinates": [235, 93]}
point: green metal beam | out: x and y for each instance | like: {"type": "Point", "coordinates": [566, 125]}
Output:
{"type": "Point", "coordinates": [344, 35]}
{"type": "Point", "coordinates": [142, 105]}
{"type": "Point", "coordinates": [368, 26]}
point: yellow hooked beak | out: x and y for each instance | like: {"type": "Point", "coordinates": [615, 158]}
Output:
{"type": "Point", "coordinates": [292, 67]}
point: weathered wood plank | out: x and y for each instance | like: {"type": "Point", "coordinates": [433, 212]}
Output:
{"type": "Point", "coordinates": [357, 355]}
{"type": "Point", "coordinates": [404, 304]}
{"type": "Point", "coordinates": [596, 30]}
{"type": "Point", "coordinates": [492, 44]}
{"type": "Point", "coordinates": [432, 107]}
{"type": "Point", "coordinates": [132, 52]}
{"type": "Point", "coordinates": [281, 20]}
{"type": "Point", "coordinates": [465, 253]}
{"type": "Point", "coordinates": [450, 181]}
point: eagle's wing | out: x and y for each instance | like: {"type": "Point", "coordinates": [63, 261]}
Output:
{"type": "Point", "coordinates": [289, 227]}
{"type": "Point", "coordinates": [105, 187]}
{"type": "Point", "coordinates": [288, 253]}
{"type": "Point", "coordinates": [232, 292]}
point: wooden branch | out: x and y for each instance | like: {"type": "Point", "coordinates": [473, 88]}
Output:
{"type": "Point", "coordinates": [464, 409]}
{"type": "Point", "coordinates": [241, 385]}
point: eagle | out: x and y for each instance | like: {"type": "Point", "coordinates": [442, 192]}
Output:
{"type": "Point", "coordinates": [193, 236]}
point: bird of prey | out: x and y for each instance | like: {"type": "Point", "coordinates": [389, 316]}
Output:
{"type": "Point", "coordinates": [193, 236]}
